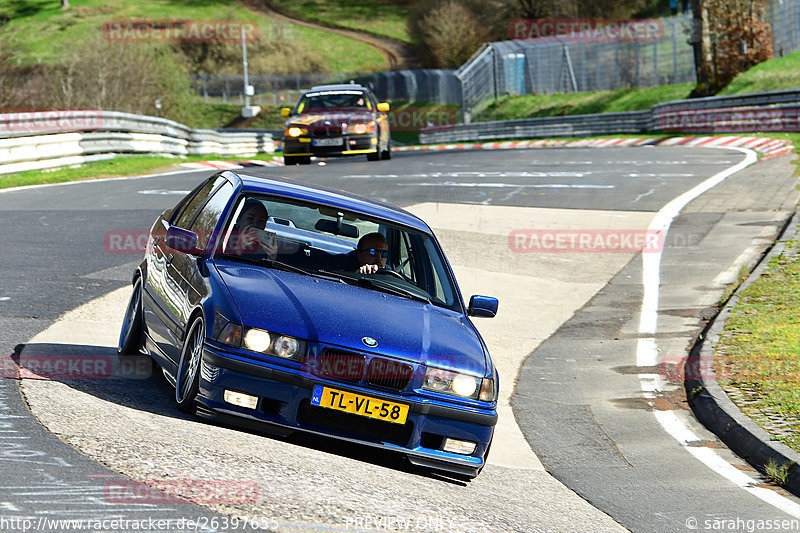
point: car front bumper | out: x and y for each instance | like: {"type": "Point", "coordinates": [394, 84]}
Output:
{"type": "Point", "coordinates": [351, 145]}
{"type": "Point", "coordinates": [284, 403]}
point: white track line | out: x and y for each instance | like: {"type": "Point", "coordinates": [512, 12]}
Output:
{"type": "Point", "coordinates": [647, 347]}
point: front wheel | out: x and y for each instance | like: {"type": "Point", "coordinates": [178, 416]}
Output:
{"type": "Point", "coordinates": [187, 377]}
{"type": "Point", "coordinates": [387, 154]}
{"type": "Point", "coordinates": [130, 336]}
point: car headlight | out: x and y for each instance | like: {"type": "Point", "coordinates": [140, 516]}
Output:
{"type": "Point", "coordinates": [267, 342]}
{"type": "Point", "coordinates": [361, 128]}
{"type": "Point", "coordinates": [456, 384]}
{"type": "Point", "coordinates": [294, 131]}
{"type": "Point", "coordinates": [257, 340]}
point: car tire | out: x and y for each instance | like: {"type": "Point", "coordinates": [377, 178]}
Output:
{"type": "Point", "coordinates": [387, 154]}
{"type": "Point", "coordinates": [188, 374]}
{"type": "Point", "coordinates": [304, 160]}
{"type": "Point", "coordinates": [131, 334]}
{"type": "Point", "coordinates": [374, 156]}
{"type": "Point", "coordinates": [289, 160]}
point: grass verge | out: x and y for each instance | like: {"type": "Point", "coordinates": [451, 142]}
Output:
{"type": "Point", "coordinates": [758, 356]}
{"type": "Point", "coordinates": [111, 168]}
{"type": "Point", "coordinates": [548, 105]}
{"type": "Point", "coordinates": [773, 75]}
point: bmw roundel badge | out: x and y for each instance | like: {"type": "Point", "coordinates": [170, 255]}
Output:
{"type": "Point", "coordinates": [369, 341]}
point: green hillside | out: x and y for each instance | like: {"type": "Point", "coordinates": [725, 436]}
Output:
{"type": "Point", "coordinates": [41, 31]}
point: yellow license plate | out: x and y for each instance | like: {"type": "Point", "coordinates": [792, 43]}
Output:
{"type": "Point", "coordinates": [359, 405]}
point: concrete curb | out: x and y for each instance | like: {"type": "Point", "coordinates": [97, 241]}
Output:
{"type": "Point", "coordinates": [765, 146]}
{"type": "Point", "coordinates": [715, 409]}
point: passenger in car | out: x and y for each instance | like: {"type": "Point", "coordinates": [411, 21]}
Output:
{"type": "Point", "coordinates": [248, 236]}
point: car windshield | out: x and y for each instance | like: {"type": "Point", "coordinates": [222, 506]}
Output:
{"type": "Point", "coordinates": [321, 101]}
{"type": "Point", "coordinates": [317, 240]}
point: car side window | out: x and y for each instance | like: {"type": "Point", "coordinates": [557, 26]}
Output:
{"type": "Point", "coordinates": [208, 217]}
{"type": "Point", "coordinates": [187, 215]}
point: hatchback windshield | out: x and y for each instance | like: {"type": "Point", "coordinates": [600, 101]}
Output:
{"type": "Point", "coordinates": [317, 240]}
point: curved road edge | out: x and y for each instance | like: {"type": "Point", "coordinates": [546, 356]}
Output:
{"type": "Point", "coordinates": [714, 408]}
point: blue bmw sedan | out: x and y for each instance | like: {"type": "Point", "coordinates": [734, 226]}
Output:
{"type": "Point", "coordinates": [280, 306]}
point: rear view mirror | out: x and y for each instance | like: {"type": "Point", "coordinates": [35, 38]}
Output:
{"type": "Point", "coordinates": [383, 107]}
{"type": "Point", "coordinates": [485, 306]}
{"type": "Point", "coordinates": [336, 227]}
{"type": "Point", "coordinates": [285, 112]}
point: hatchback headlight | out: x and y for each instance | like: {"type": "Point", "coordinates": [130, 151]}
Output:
{"type": "Point", "coordinates": [270, 343]}
{"type": "Point", "coordinates": [457, 384]}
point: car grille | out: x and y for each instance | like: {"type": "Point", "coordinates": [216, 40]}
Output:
{"type": "Point", "coordinates": [389, 374]}
{"type": "Point", "coordinates": [340, 365]}
{"type": "Point", "coordinates": [326, 131]}
{"type": "Point", "coordinates": [353, 425]}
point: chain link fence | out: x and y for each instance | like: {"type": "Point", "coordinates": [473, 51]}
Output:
{"type": "Point", "coordinates": [784, 18]}
{"type": "Point", "coordinates": [563, 64]}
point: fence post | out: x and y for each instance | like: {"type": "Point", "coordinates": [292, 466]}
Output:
{"type": "Point", "coordinates": [675, 52]}
{"type": "Point", "coordinates": [656, 79]}
{"type": "Point", "coordinates": [582, 53]}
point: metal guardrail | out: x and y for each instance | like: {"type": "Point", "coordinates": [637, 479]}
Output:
{"type": "Point", "coordinates": [716, 102]}
{"type": "Point", "coordinates": [47, 139]}
{"type": "Point", "coordinates": [769, 111]}
{"type": "Point", "coordinates": [565, 126]}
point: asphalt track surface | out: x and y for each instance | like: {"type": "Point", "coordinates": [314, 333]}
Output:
{"type": "Point", "coordinates": [576, 396]}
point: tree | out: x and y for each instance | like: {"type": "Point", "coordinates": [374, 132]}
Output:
{"type": "Point", "coordinates": [99, 74]}
{"type": "Point", "coordinates": [449, 31]}
{"type": "Point", "coordinates": [729, 37]}
{"type": "Point", "coordinates": [701, 43]}
{"type": "Point", "coordinates": [64, 4]}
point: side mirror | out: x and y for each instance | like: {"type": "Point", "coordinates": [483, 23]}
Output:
{"type": "Point", "coordinates": [285, 112]}
{"type": "Point", "coordinates": [182, 240]}
{"type": "Point", "coordinates": [383, 107]}
{"type": "Point", "coordinates": [485, 306]}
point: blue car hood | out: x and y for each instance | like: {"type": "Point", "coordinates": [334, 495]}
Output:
{"type": "Point", "coordinates": [340, 314]}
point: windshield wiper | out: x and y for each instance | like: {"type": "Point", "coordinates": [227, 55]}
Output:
{"type": "Point", "coordinates": [377, 284]}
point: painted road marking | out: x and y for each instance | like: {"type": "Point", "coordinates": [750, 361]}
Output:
{"type": "Point", "coordinates": [510, 185]}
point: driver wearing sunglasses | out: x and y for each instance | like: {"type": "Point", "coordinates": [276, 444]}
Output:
{"type": "Point", "coordinates": [372, 253]}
